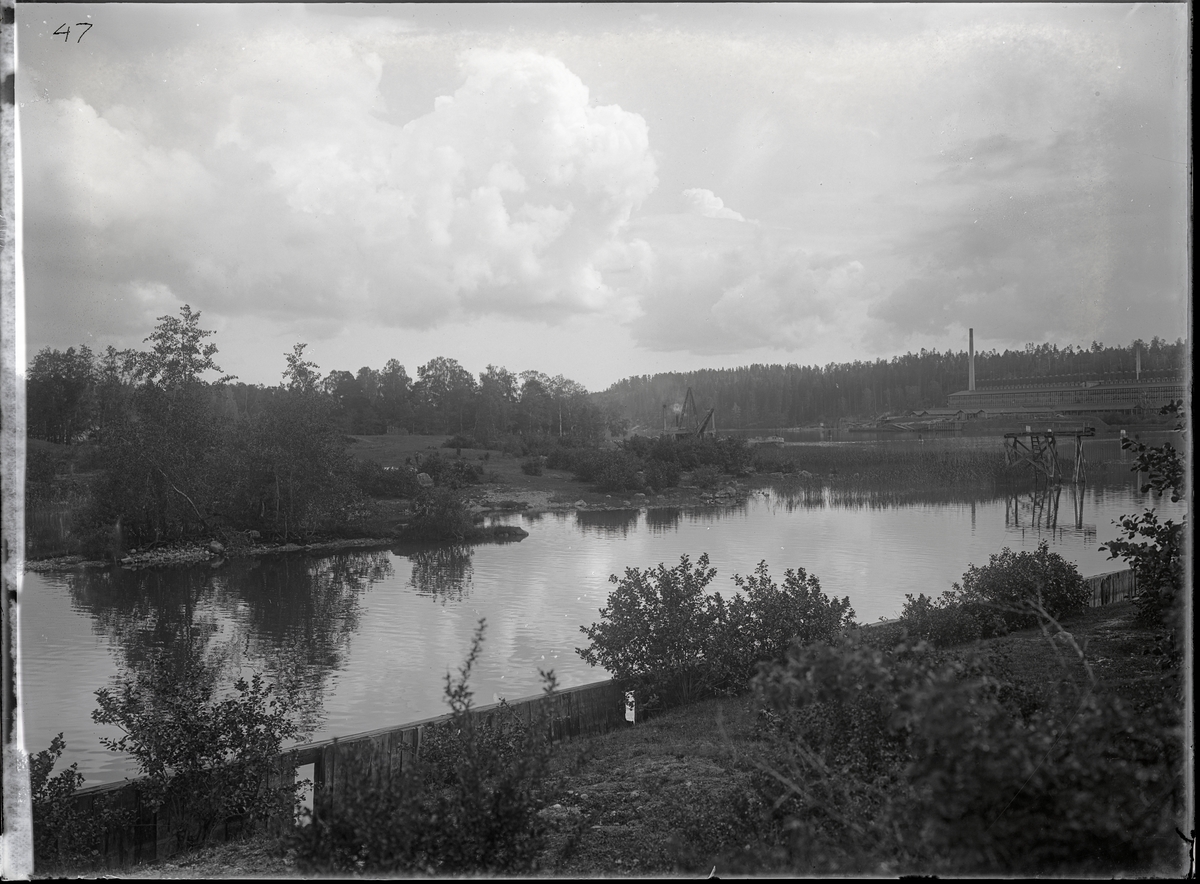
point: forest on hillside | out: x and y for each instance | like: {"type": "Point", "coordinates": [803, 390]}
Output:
{"type": "Point", "coordinates": [763, 396]}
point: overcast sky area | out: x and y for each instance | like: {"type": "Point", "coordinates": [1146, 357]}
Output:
{"type": "Point", "coordinates": [606, 190]}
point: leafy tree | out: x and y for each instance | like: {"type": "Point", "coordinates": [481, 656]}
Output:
{"type": "Point", "coordinates": [178, 354]}
{"type": "Point", "coordinates": [497, 403]}
{"type": "Point", "coordinates": [300, 375]}
{"type": "Point", "coordinates": [395, 389]}
{"type": "Point", "coordinates": [446, 393]}
{"type": "Point", "coordinates": [60, 394]}
{"type": "Point", "coordinates": [1155, 549]}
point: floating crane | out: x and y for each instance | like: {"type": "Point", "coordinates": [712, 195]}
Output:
{"type": "Point", "coordinates": [687, 422]}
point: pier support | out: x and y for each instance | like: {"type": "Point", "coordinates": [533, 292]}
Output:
{"type": "Point", "coordinates": [1039, 451]}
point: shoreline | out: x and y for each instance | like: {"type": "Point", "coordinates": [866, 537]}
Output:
{"type": "Point", "coordinates": [493, 501]}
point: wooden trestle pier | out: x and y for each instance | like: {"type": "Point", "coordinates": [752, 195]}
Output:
{"type": "Point", "coordinates": [1039, 451]}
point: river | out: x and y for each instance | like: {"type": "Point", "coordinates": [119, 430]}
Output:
{"type": "Point", "coordinates": [368, 637]}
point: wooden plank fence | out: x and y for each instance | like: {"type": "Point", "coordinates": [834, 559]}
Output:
{"type": "Point", "coordinates": [345, 762]}
{"type": "Point", "coordinates": [1115, 586]}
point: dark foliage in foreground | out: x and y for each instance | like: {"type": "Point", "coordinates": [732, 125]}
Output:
{"type": "Point", "coordinates": [467, 804]}
{"type": "Point", "coordinates": [64, 835]}
{"type": "Point", "coordinates": [940, 765]}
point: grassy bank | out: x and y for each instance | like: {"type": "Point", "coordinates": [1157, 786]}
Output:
{"type": "Point", "coordinates": [683, 793]}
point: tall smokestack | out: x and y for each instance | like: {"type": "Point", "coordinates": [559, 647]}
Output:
{"type": "Point", "coordinates": [971, 364]}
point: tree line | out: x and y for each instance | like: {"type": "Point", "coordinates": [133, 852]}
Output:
{"type": "Point", "coordinates": [794, 395]}
{"type": "Point", "coordinates": [75, 395]}
{"type": "Point", "coordinates": [183, 454]}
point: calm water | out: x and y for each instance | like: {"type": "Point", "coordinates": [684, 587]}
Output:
{"type": "Point", "coordinates": [369, 637]}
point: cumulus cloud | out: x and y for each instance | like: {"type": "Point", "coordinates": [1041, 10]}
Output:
{"type": "Point", "coordinates": [719, 288]}
{"type": "Point", "coordinates": [509, 197]}
{"type": "Point", "coordinates": [706, 203]}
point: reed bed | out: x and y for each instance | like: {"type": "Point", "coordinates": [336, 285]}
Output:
{"type": "Point", "coordinates": [886, 467]}
{"type": "Point", "coordinates": [923, 466]}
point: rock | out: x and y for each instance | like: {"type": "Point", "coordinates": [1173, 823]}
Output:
{"type": "Point", "coordinates": [216, 548]}
{"type": "Point", "coordinates": [581, 503]}
{"type": "Point", "coordinates": [638, 496]}
{"type": "Point", "coordinates": [253, 535]}
{"type": "Point", "coordinates": [425, 480]}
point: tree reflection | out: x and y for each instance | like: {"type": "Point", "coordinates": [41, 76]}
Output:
{"type": "Point", "coordinates": [442, 572]}
{"type": "Point", "coordinates": [608, 522]}
{"type": "Point", "coordinates": [662, 520]}
{"type": "Point", "coordinates": [290, 617]}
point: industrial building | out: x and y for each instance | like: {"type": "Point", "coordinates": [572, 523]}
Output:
{"type": "Point", "coordinates": [1134, 391]}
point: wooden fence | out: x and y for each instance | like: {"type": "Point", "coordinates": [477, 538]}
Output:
{"type": "Point", "coordinates": [1112, 587]}
{"type": "Point", "coordinates": [345, 762]}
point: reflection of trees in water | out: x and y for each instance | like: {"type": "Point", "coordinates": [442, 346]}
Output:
{"type": "Point", "coordinates": [799, 494]}
{"type": "Point", "coordinates": [442, 572]}
{"type": "Point", "coordinates": [143, 613]}
{"type": "Point", "coordinates": [607, 521]}
{"type": "Point", "coordinates": [662, 520]}
{"type": "Point", "coordinates": [290, 617]}
{"type": "Point", "coordinates": [532, 518]}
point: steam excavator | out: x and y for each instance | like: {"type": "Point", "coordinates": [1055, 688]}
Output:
{"type": "Point", "coordinates": [686, 420]}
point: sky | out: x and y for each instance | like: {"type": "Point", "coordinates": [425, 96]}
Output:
{"type": "Point", "coordinates": [603, 190]}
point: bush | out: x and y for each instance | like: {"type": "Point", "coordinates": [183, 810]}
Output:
{"type": "Point", "coordinates": [706, 477]}
{"type": "Point", "coordinates": [662, 632]}
{"type": "Point", "coordinates": [532, 466]}
{"type": "Point", "coordinates": [204, 760]}
{"type": "Point", "coordinates": [1011, 579]}
{"type": "Point", "coordinates": [374, 480]}
{"type": "Point", "coordinates": [944, 766]}
{"type": "Point", "coordinates": [995, 598]}
{"type": "Point", "coordinates": [950, 620]}
{"type": "Point", "coordinates": [467, 805]}
{"type": "Point", "coordinates": [451, 472]}
{"type": "Point", "coordinates": [617, 471]}
{"type": "Point", "coordinates": [64, 836]}
{"type": "Point", "coordinates": [662, 473]}
{"type": "Point", "coordinates": [654, 629]}
{"type": "Point", "coordinates": [1085, 788]}
{"type": "Point", "coordinates": [763, 620]}
{"type": "Point", "coordinates": [438, 513]}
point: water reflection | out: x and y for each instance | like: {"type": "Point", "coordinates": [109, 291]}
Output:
{"type": "Point", "coordinates": [607, 522]}
{"type": "Point", "coordinates": [290, 617]}
{"type": "Point", "coordinates": [1038, 509]}
{"type": "Point", "coordinates": [661, 520]}
{"type": "Point", "coordinates": [443, 572]}
{"type": "Point", "coordinates": [717, 511]}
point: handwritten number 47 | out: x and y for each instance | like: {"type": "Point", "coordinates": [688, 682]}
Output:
{"type": "Point", "coordinates": [65, 30]}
